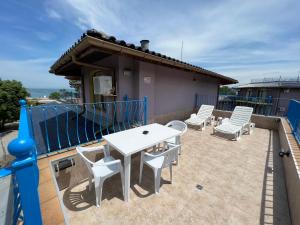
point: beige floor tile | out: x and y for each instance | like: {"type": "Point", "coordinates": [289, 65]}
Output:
{"type": "Point", "coordinates": [234, 177]}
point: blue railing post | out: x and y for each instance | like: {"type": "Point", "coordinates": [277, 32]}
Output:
{"type": "Point", "coordinates": [26, 170]}
{"type": "Point", "coordinates": [145, 110]}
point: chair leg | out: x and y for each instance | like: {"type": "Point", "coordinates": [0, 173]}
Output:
{"type": "Point", "coordinates": [141, 168]}
{"type": "Point", "coordinates": [238, 135]}
{"type": "Point", "coordinates": [90, 183]}
{"type": "Point", "coordinates": [157, 176]}
{"type": "Point", "coordinates": [177, 156]}
{"type": "Point", "coordinates": [171, 176]}
{"type": "Point", "coordinates": [122, 180]}
{"type": "Point", "coordinates": [98, 190]}
{"type": "Point", "coordinates": [203, 126]}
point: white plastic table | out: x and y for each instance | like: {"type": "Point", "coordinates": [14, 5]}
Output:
{"type": "Point", "coordinates": [131, 141]}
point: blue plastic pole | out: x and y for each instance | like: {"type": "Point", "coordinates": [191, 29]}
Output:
{"type": "Point", "coordinates": [26, 170]}
{"type": "Point", "coordinates": [145, 110]}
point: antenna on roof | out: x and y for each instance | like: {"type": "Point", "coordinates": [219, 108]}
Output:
{"type": "Point", "coordinates": [181, 50]}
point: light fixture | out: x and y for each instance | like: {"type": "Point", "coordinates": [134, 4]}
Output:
{"type": "Point", "coordinates": [127, 73]}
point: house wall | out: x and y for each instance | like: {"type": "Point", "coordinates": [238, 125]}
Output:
{"type": "Point", "coordinates": [269, 92]}
{"type": "Point", "coordinates": [171, 92]}
{"type": "Point", "coordinates": [281, 98]}
{"type": "Point", "coordinates": [109, 62]}
{"type": "Point", "coordinates": [286, 96]}
{"type": "Point", "coordinates": [127, 85]}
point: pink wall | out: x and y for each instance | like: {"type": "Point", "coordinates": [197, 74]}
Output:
{"type": "Point", "coordinates": [172, 90]}
{"type": "Point", "coordinates": [169, 90]}
{"type": "Point", "coordinates": [111, 62]}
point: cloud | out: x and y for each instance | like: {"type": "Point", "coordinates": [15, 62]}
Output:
{"type": "Point", "coordinates": [45, 36]}
{"type": "Point", "coordinates": [53, 14]}
{"type": "Point", "coordinates": [32, 72]}
{"type": "Point", "coordinates": [239, 38]}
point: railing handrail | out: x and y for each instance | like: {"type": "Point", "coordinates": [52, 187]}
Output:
{"type": "Point", "coordinates": [240, 96]}
{"type": "Point", "coordinates": [26, 174]}
{"type": "Point", "coordinates": [81, 104]}
{"type": "Point", "coordinates": [4, 172]}
{"type": "Point", "coordinates": [274, 79]}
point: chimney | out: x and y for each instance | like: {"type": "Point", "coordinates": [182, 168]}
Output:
{"type": "Point", "coordinates": [145, 45]}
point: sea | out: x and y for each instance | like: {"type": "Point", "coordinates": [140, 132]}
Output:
{"type": "Point", "coordinates": [43, 92]}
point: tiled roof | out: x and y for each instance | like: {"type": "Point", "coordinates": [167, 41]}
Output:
{"type": "Point", "coordinates": [104, 37]}
{"type": "Point", "coordinates": [278, 84]}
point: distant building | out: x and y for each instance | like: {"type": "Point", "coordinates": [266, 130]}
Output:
{"type": "Point", "coordinates": [271, 91]}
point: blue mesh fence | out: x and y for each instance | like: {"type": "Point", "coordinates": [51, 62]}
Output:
{"type": "Point", "coordinates": [262, 106]}
{"type": "Point", "coordinates": [61, 126]}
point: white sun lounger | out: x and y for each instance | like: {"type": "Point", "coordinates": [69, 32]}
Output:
{"type": "Point", "coordinates": [238, 122]}
{"type": "Point", "coordinates": [202, 117]}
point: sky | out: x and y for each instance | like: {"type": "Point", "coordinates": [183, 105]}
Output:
{"type": "Point", "coordinates": [238, 38]}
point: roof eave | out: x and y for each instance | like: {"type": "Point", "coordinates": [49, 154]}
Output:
{"type": "Point", "coordinates": [88, 40]}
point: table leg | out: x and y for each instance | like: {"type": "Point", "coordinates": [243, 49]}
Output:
{"type": "Point", "coordinates": [127, 167]}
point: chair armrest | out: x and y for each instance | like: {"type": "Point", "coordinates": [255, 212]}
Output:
{"type": "Point", "coordinates": [249, 126]}
{"type": "Point", "coordinates": [92, 149]}
{"type": "Point", "coordinates": [108, 163]}
{"type": "Point", "coordinates": [161, 154]}
{"type": "Point", "coordinates": [194, 115]}
{"type": "Point", "coordinates": [150, 155]}
{"type": "Point", "coordinates": [225, 120]}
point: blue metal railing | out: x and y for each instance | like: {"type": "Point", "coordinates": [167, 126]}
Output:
{"type": "Point", "coordinates": [63, 126]}
{"type": "Point", "coordinates": [18, 214]}
{"type": "Point", "coordinates": [24, 175]}
{"type": "Point", "coordinates": [263, 106]}
{"type": "Point", "coordinates": [293, 116]}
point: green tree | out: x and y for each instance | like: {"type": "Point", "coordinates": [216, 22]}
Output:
{"type": "Point", "coordinates": [224, 90]}
{"type": "Point", "coordinates": [55, 95]}
{"type": "Point", "coordinates": [11, 91]}
{"type": "Point", "coordinates": [76, 84]}
{"type": "Point", "coordinates": [63, 93]}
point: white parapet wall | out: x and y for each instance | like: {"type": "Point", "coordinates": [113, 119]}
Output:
{"type": "Point", "coordinates": [291, 170]}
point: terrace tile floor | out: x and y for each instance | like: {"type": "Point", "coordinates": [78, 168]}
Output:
{"type": "Point", "coordinates": [217, 181]}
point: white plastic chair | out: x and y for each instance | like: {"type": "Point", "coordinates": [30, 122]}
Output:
{"type": "Point", "coordinates": [238, 122]}
{"type": "Point", "coordinates": [180, 126]}
{"type": "Point", "coordinates": [157, 161]}
{"type": "Point", "coordinates": [102, 169]}
{"type": "Point", "coordinates": [202, 118]}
